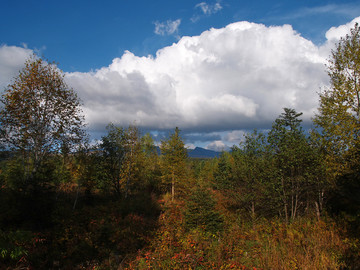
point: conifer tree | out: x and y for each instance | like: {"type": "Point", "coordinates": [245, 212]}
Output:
{"type": "Point", "coordinates": [293, 158]}
{"type": "Point", "coordinates": [174, 156]}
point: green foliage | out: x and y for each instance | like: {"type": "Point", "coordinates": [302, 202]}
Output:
{"type": "Point", "coordinates": [338, 120]}
{"type": "Point", "coordinates": [338, 127]}
{"type": "Point", "coordinates": [173, 162]}
{"type": "Point", "coordinates": [12, 173]}
{"type": "Point", "coordinates": [251, 169]}
{"type": "Point", "coordinates": [223, 176]}
{"type": "Point", "coordinates": [123, 159]}
{"type": "Point", "coordinates": [200, 212]}
{"type": "Point", "coordinates": [14, 245]}
{"type": "Point", "coordinates": [151, 169]}
{"type": "Point", "coordinates": [294, 161]}
{"type": "Point", "coordinates": [114, 151]}
{"type": "Point", "coordinates": [344, 199]}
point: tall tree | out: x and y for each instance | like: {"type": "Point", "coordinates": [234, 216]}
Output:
{"type": "Point", "coordinates": [114, 152]}
{"type": "Point", "coordinates": [123, 158]}
{"type": "Point", "coordinates": [223, 174]}
{"type": "Point", "coordinates": [134, 159]}
{"type": "Point", "coordinates": [251, 166]}
{"type": "Point", "coordinates": [338, 125]}
{"type": "Point", "coordinates": [151, 165]}
{"type": "Point", "coordinates": [40, 114]}
{"type": "Point", "coordinates": [293, 158]}
{"type": "Point", "coordinates": [338, 120]}
{"type": "Point", "coordinates": [174, 156]}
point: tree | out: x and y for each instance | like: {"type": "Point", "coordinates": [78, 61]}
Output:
{"type": "Point", "coordinates": [338, 119]}
{"type": "Point", "coordinates": [251, 166]}
{"type": "Point", "coordinates": [151, 165]}
{"type": "Point", "coordinates": [114, 152]}
{"type": "Point", "coordinates": [338, 125]}
{"type": "Point", "coordinates": [200, 211]}
{"type": "Point", "coordinates": [294, 161]}
{"type": "Point", "coordinates": [123, 158]}
{"type": "Point", "coordinates": [174, 156]}
{"type": "Point", "coordinates": [40, 114]}
{"type": "Point", "coordinates": [134, 159]}
{"type": "Point", "coordinates": [223, 174]}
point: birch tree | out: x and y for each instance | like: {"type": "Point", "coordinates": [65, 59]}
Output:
{"type": "Point", "coordinates": [40, 115]}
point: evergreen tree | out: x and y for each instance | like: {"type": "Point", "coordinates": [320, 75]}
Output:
{"type": "Point", "coordinates": [200, 211]}
{"type": "Point", "coordinates": [293, 160]}
{"type": "Point", "coordinates": [114, 151]}
{"type": "Point", "coordinates": [174, 156]}
{"type": "Point", "coordinates": [251, 165]}
{"type": "Point", "coordinates": [151, 166]}
{"type": "Point", "coordinates": [223, 174]}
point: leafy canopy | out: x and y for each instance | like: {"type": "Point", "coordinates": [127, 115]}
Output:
{"type": "Point", "coordinates": [40, 113]}
{"type": "Point", "coordinates": [338, 120]}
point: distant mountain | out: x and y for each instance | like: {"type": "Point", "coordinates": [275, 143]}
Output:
{"type": "Point", "coordinates": [199, 152]}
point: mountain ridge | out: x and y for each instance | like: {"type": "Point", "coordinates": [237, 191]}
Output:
{"type": "Point", "coordinates": [199, 152]}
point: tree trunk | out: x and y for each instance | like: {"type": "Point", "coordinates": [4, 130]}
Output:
{"type": "Point", "coordinates": [284, 200]}
{"type": "Point", "coordinates": [172, 187]}
{"type": "Point", "coordinates": [76, 198]}
{"type": "Point", "coordinates": [253, 210]}
{"type": "Point", "coordinates": [317, 208]}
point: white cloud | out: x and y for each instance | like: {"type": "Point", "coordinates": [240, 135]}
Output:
{"type": "Point", "coordinates": [12, 59]}
{"type": "Point", "coordinates": [335, 33]}
{"type": "Point", "coordinates": [209, 9]}
{"type": "Point", "coordinates": [190, 146]}
{"type": "Point", "coordinates": [167, 28]}
{"type": "Point", "coordinates": [217, 146]}
{"type": "Point", "coordinates": [234, 78]}
{"type": "Point", "coordinates": [235, 136]}
{"type": "Point", "coordinates": [239, 76]}
{"type": "Point", "coordinates": [347, 9]}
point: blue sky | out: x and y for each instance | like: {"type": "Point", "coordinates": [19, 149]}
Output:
{"type": "Point", "coordinates": [82, 35]}
{"type": "Point", "coordinates": [207, 73]}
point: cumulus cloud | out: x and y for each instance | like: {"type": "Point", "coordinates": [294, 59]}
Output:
{"type": "Point", "coordinates": [335, 33]}
{"type": "Point", "coordinates": [167, 28]}
{"type": "Point", "coordinates": [12, 59]}
{"type": "Point", "coordinates": [234, 78]}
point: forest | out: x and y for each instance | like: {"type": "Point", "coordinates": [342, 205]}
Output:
{"type": "Point", "coordinates": [286, 198]}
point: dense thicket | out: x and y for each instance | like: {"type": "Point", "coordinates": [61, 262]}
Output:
{"type": "Point", "coordinates": [284, 199]}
